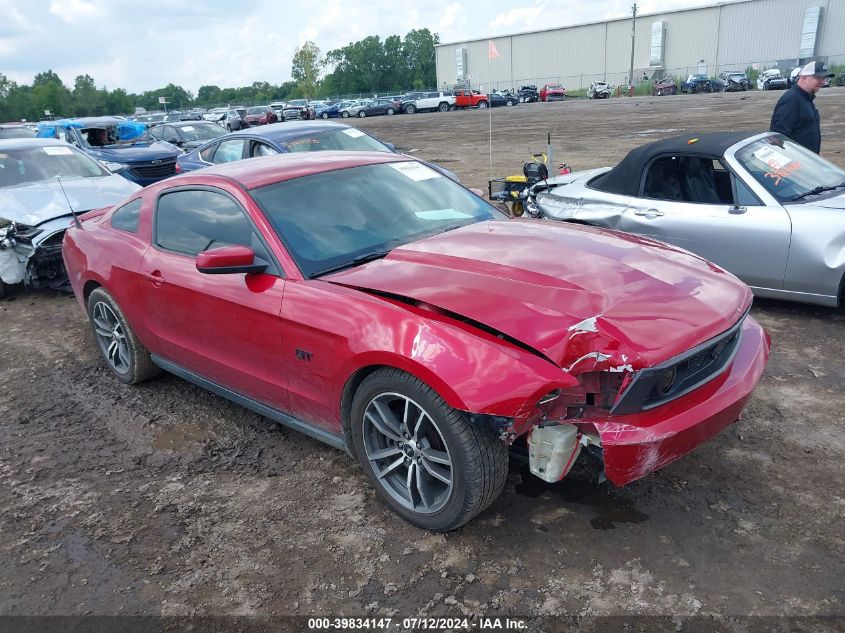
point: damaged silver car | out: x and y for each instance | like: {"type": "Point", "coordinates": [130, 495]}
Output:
{"type": "Point", "coordinates": [42, 182]}
{"type": "Point", "coordinates": [759, 205]}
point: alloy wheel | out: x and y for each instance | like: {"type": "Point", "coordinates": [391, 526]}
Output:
{"type": "Point", "coordinates": [407, 453]}
{"type": "Point", "coordinates": [111, 337]}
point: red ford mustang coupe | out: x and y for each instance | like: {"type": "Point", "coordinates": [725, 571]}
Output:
{"type": "Point", "coordinates": [370, 302]}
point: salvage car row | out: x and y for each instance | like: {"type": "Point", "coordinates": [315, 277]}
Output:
{"type": "Point", "coordinates": [422, 330]}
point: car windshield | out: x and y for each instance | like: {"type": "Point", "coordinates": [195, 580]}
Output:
{"type": "Point", "coordinates": [260, 110]}
{"type": "Point", "coordinates": [555, 87]}
{"type": "Point", "coordinates": [200, 131]}
{"type": "Point", "coordinates": [156, 118]}
{"type": "Point", "coordinates": [788, 170]}
{"type": "Point", "coordinates": [110, 136]}
{"type": "Point", "coordinates": [346, 139]}
{"type": "Point", "coordinates": [33, 164]}
{"type": "Point", "coordinates": [299, 103]}
{"type": "Point", "coordinates": [335, 219]}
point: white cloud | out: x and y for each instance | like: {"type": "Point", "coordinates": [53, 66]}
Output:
{"type": "Point", "coordinates": [77, 12]}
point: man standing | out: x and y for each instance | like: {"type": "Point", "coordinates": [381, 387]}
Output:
{"type": "Point", "coordinates": [795, 114]}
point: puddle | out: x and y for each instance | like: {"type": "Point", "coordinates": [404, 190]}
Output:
{"type": "Point", "coordinates": [175, 438]}
{"type": "Point", "coordinates": [609, 508]}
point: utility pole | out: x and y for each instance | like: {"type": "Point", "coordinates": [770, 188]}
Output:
{"type": "Point", "coordinates": [633, 39]}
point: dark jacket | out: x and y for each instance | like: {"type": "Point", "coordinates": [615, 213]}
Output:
{"type": "Point", "coordinates": [796, 116]}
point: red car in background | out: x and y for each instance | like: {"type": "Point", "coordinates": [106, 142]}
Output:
{"type": "Point", "coordinates": [416, 326]}
{"type": "Point", "coordinates": [552, 92]}
{"type": "Point", "coordinates": [260, 115]}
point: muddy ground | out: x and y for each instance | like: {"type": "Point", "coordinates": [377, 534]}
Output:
{"type": "Point", "coordinates": [165, 499]}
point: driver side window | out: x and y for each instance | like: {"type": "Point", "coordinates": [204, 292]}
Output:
{"type": "Point", "coordinates": [693, 179]}
{"type": "Point", "coordinates": [190, 222]}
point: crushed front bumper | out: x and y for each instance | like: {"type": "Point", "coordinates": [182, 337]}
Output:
{"type": "Point", "coordinates": [637, 444]}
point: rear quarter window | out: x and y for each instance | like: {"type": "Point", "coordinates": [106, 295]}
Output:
{"type": "Point", "coordinates": [126, 218]}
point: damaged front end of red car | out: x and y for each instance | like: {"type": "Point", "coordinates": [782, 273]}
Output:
{"type": "Point", "coordinates": [640, 418]}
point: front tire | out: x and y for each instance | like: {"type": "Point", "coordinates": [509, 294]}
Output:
{"type": "Point", "coordinates": [482, 105]}
{"type": "Point", "coordinates": [324, 115]}
{"type": "Point", "coordinates": [391, 111]}
{"type": "Point", "coordinates": [443, 107]}
{"type": "Point", "coordinates": [362, 114]}
{"type": "Point", "coordinates": [344, 114]}
{"type": "Point", "coordinates": [428, 462]}
{"type": "Point", "coordinates": [124, 354]}
{"type": "Point", "coordinates": [410, 109]}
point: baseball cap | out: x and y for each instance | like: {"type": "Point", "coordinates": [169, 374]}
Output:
{"type": "Point", "coordinates": [819, 69]}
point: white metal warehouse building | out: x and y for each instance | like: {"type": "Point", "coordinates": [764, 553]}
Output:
{"type": "Point", "coordinates": [755, 34]}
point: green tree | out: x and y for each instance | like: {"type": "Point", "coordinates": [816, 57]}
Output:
{"type": "Point", "coordinates": [49, 94]}
{"type": "Point", "coordinates": [208, 95]}
{"type": "Point", "coordinates": [305, 68]}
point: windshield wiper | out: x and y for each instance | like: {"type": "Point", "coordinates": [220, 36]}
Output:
{"type": "Point", "coordinates": [357, 261]}
{"type": "Point", "coordinates": [818, 190]}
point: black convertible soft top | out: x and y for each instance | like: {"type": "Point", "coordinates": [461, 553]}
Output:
{"type": "Point", "coordinates": [625, 178]}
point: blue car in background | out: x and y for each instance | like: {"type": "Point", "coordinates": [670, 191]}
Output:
{"type": "Point", "coordinates": [333, 111]}
{"type": "Point", "coordinates": [283, 138]}
{"type": "Point", "coordinates": [123, 147]}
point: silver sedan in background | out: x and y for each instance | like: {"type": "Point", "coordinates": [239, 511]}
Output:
{"type": "Point", "coordinates": [759, 205]}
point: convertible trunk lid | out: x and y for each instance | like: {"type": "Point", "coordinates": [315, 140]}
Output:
{"type": "Point", "coordinates": [585, 298]}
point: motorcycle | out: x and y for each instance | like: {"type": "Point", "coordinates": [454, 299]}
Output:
{"type": "Point", "coordinates": [512, 190]}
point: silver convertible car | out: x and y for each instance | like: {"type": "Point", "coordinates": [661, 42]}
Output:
{"type": "Point", "coordinates": [759, 205]}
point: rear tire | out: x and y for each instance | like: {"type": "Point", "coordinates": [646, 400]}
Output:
{"type": "Point", "coordinates": [391, 111]}
{"type": "Point", "coordinates": [361, 114]}
{"type": "Point", "coordinates": [124, 354]}
{"type": "Point", "coordinates": [443, 107]}
{"type": "Point", "coordinates": [482, 105]}
{"type": "Point", "coordinates": [428, 462]}
{"type": "Point", "coordinates": [344, 114]}
{"type": "Point", "coordinates": [324, 115]}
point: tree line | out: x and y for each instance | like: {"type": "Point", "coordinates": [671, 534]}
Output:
{"type": "Point", "coordinates": [368, 66]}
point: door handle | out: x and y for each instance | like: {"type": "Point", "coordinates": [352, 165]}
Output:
{"type": "Point", "coordinates": [649, 214]}
{"type": "Point", "coordinates": [737, 210]}
{"type": "Point", "coordinates": [154, 277]}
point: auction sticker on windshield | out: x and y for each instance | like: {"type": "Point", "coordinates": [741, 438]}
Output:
{"type": "Point", "coordinates": [57, 151]}
{"type": "Point", "coordinates": [353, 132]}
{"type": "Point", "coordinates": [415, 171]}
{"type": "Point", "coordinates": [772, 157]}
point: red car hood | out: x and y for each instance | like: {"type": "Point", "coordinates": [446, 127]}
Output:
{"type": "Point", "coordinates": [585, 298]}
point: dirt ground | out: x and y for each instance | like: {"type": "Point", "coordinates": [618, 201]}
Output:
{"type": "Point", "coordinates": [165, 499]}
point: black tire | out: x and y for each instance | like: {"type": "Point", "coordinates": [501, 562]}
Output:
{"type": "Point", "coordinates": [482, 105]}
{"type": "Point", "coordinates": [140, 365]}
{"type": "Point", "coordinates": [391, 111]}
{"type": "Point", "coordinates": [3, 289]}
{"type": "Point", "coordinates": [410, 108]}
{"type": "Point", "coordinates": [324, 115]}
{"type": "Point", "coordinates": [361, 114]}
{"type": "Point", "coordinates": [478, 459]}
{"type": "Point", "coordinates": [443, 107]}
{"type": "Point", "coordinates": [345, 114]}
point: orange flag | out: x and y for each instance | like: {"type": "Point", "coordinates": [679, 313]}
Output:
{"type": "Point", "coordinates": [492, 52]}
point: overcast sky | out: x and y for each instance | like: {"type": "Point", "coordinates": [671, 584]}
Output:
{"type": "Point", "coordinates": [146, 44]}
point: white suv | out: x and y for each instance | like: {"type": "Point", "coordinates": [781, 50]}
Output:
{"type": "Point", "coordinates": [441, 101]}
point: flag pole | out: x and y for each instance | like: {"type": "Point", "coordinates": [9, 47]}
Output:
{"type": "Point", "coordinates": [490, 108]}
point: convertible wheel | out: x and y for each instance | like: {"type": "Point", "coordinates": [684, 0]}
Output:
{"type": "Point", "coordinates": [124, 354]}
{"type": "Point", "coordinates": [427, 461]}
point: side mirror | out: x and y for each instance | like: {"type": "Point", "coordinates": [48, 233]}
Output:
{"type": "Point", "coordinates": [225, 260]}
{"type": "Point", "coordinates": [391, 147]}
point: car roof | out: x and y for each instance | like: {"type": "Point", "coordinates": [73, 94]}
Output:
{"type": "Point", "coordinates": [90, 121]}
{"type": "Point", "coordinates": [281, 132]}
{"type": "Point", "coordinates": [23, 143]}
{"type": "Point", "coordinates": [185, 123]}
{"type": "Point", "coordinates": [625, 177]}
{"type": "Point", "coordinates": [258, 172]}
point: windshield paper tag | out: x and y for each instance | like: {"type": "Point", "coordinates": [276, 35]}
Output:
{"type": "Point", "coordinates": [415, 171]}
{"type": "Point", "coordinates": [57, 151]}
{"type": "Point", "coordinates": [772, 157]}
{"type": "Point", "coordinates": [353, 132]}
{"type": "Point", "coordinates": [188, 128]}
